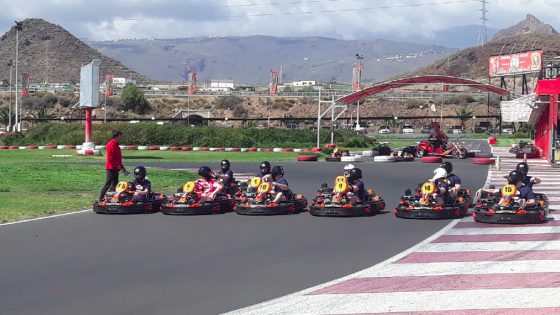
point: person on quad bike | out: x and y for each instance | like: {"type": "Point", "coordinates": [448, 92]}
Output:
{"type": "Point", "coordinates": [347, 169]}
{"type": "Point", "coordinates": [437, 138]}
{"type": "Point", "coordinates": [225, 176]}
{"type": "Point", "coordinates": [453, 180]}
{"type": "Point", "coordinates": [264, 172]}
{"type": "Point", "coordinates": [280, 184]}
{"type": "Point", "coordinates": [526, 196]}
{"type": "Point", "coordinates": [208, 184]}
{"type": "Point", "coordinates": [357, 191]}
{"type": "Point", "coordinates": [142, 185]}
{"type": "Point", "coordinates": [441, 195]}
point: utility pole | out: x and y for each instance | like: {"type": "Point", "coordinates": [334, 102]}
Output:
{"type": "Point", "coordinates": [359, 82]}
{"type": "Point", "coordinates": [19, 27]}
{"type": "Point", "coordinates": [9, 127]}
{"type": "Point", "coordinates": [483, 34]}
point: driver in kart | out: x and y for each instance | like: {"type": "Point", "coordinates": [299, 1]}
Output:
{"type": "Point", "coordinates": [525, 193]}
{"type": "Point", "coordinates": [441, 195]}
{"type": "Point", "coordinates": [527, 180]}
{"type": "Point", "coordinates": [280, 184]}
{"type": "Point", "coordinates": [225, 176]}
{"type": "Point", "coordinates": [356, 188]}
{"type": "Point", "coordinates": [347, 169]}
{"type": "Point", "coordinates": [437, 138]}
{"type": "Point", "coordinates": [142, 186]}
{"type": "Point", "coordinates": [264, 171]}
{"type": "Point", "coordinates": [453, 180]}
{"type": "Point", "coordinates": [208, 185]}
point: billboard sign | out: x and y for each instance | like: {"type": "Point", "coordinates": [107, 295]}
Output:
{"type": "Point", "coordinates": [514, 64]}
{"type": "Point", "coordinates": [89, 84]}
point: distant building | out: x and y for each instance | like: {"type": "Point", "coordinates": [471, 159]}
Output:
{"type": "Point", "coordinates": [121, 82]}
{"type": "Point", "coordinates": [219, 86]}
{"type": "Point", "coordinates": [303, 83]}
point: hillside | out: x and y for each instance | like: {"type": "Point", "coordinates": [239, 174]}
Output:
{"type": "Point", "coordinates": [249, 59]}
{"type": "Point", "coordinates": [531, 25]}
{"type": "Point", "coordinates": [52, 54]}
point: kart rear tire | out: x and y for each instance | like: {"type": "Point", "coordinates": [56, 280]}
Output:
{"type": "Point", "coordinates": [431, 159]}
{"type": "Point", "coordinates": [420, 153]}
{"type": "Point", "coordinates": [484, 161]}
{"type": "Point", "coordinates": [384, 158]}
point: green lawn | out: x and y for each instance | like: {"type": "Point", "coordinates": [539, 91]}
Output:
{"type": "Point", "coordinates": [33, 189]}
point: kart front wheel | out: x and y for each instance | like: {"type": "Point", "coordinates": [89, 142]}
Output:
{"type": "Point", "coordinates": [420, 153]}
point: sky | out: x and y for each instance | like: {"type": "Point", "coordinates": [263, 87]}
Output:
{"type": "Point", "coordinates": [342, 19]}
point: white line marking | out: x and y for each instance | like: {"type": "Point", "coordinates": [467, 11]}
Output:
{"type": "Point", "coordinates": [509, 230]}
{"type": "Point", "coordinates": [490, 246]}
{"type": "Point", "coordinates": [47, 217]}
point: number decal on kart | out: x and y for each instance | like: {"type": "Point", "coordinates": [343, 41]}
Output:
{"type": "Point", "coordinates": [509, 190]}
{"type": "Point", "coordinates": [189, 187]}
{"type": "Point", "coordinates": [264, 188]}
{"type": "Point", "coordinates": [255, 182]}
{"type": "Point", "coordinates": [428, 188]}
{"type": "Point", "coordinates": [121, 186]}
{"type": "Point", "coordinates": [340, 184]}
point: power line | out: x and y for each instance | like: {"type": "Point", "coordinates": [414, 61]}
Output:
{"type": "Point", "coordinates": [398, 6]}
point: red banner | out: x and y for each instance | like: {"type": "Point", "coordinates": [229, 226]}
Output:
{"type": "Point", "coordinates": [505, 65]}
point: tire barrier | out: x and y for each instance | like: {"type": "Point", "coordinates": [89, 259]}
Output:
{"type": "Point", "coordinates": [186, 149]}
{"type": "Point", "coordinates": [235, 150]}
{"type": "Point", "coordinates": [4, 147]}
{"type": "Point", "coordinates": [174, 148]}
{"type": "Point", "coordinates": [484, 161]}
{"type": "Point", "coordinates": [287, 150]}
{"type": "Point", "coordinates": [316, 150]}
{"type": "Point", "coordinates": [70, 147]}
{"type": "Point", "coordinates": [298, 150]}
{"type": "Point", "coordinates": [100, 147]}
{"type": "Point", "coordinates": [132, 147]}
{"type": "Point", "coordinates": [352, 158]}
{"type": "Point", "coordinates": [384, 158]}
{"type": "Point", "coordinates": [196, 148]}
{"type": "Point", "coordinates": [164, 148]}
{"type": "Point", "coordinates": [153, 148]}
{"type": "Point", "coordinates": [432, 159]}
{"type": "Point", "coordinates": [142, 147]}
{"type": "Point", "coordinates": [252, 150]}
{"type": "Point", "coordinates": [204, 149]}
{"type": "Point", "coordinates": [268, 150]}
{"type": "Point", "coordinates": [33, 147]}
{"type": "Point", "coordinates": [307, 158]}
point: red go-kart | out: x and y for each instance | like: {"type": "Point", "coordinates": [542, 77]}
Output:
{"type": "Point", "coordinates": [427, 147]}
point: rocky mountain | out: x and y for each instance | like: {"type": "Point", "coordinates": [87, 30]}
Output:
{"type": "Point", "coordinates": [250, 59]}
{"type": "Point", "coordinates": [51, 54]}
{"type": "Point", "coordinates": [531, 25]}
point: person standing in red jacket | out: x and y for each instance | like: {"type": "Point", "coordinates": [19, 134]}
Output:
{"type": "Point", "coordinates": [113, 165]}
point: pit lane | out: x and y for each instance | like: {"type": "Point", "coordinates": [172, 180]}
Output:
{"type": "Point", "coordinates": [156, 264]}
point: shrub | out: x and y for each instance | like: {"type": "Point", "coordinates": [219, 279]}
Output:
{"type": "Point", "coordinates": [133, 99]}
{"type": "Point", "coordinates": [49, 99]}
{"type": "Point", "coordinates": [229, 102]}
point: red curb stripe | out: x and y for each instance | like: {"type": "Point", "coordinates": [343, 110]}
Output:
{"type": "Point", "coordinates": [498, 238]}
{"type": "Point", "coordinates": [32, 147]}
{"type": "Point", "coordinates": [510, 255]}
{"type": "Point", "coordinates": [13, 147]}
{"type": "Point", "coordinates": [186, 149]}
{"type": "Point", "coordinates": [4, 147]}
{"type": "Point", "coordinates": [493, 311]}
{"type": "Point", "coordinates": [51, 147]}
{"type": "Point", "coordinates": [204, 149]}
{"type": "Point", "coordinates": [443, 283]}
{"type": "Point", "coordinates": [132, 147]}
{"type": "Point", "coordinates": [174, 148]}
{"type": "Point", "coordinates": [466, 225]}
{"type": "Point", "coordinates": [235, 150]}
{"type": "Point", "coordinates": [252, 150]}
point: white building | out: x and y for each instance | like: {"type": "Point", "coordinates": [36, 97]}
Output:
{"type": "Point", "coordinates": [303, 83]}
{"type": "Point", "coordinates": [120, 82]}
{"type": "Point", "coordinates": [220, 86]}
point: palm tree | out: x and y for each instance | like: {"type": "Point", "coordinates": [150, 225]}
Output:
{"type": "Point", "coordinates": [5, 116]}
{"type": "Point", "coordinates": [394, 123]}
{"type": "Point", "coordinates": [464, 114]}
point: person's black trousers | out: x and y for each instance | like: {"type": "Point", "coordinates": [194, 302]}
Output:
{"type": "Point", "coordinates": [111, 181]}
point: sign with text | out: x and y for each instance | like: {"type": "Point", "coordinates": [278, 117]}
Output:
{"type": "Point", "coordinates": [513, 64]}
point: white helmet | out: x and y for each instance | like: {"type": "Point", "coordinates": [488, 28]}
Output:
{"type": "Point", "coordinates": [348, 168]}
{"type": "Point", "coordinates": [439, 173]}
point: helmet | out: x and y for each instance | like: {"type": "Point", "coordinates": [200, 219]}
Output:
{"type": "Point", "coordinates": [205, 171]}
{"type": "Point", "coordinates": [439, 173]}
{"type": "Point", "coordinates": [140, 172]}
{"type": "Point", "coordinates": [348, 168]}
{"type": "Point", "coordinates": [355, 173]}
{"type": "Point", "coordinates": [224, 165]}
{"type": "Point", "coordinates": [448, 166]}
{"type": "Point", "coordinates": [515, 177]}
{"type": "Point", "coordinates": [265, 167]}
{"type": "Point", "coordinates": [523, 168]}
{"type": "Point", "coordinates": [277, 170]}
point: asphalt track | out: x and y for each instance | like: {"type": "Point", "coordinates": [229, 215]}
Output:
{"type": "Point", "coordinates": [155, 264]}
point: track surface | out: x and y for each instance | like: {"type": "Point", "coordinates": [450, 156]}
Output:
{"type": "Point", "coordinates": [156, 264]}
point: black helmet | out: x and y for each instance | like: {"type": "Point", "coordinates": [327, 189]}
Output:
{"type": "Point", "coordinates": [523, 168]}
{"type": "Point", "coordinates": [277, 170]}
{"type": "Point", "coordinates": [205, 171]}
{"type": "Point", "coordinates": [224, 165]}
{"type": "Point", "coordinates": [355, 174]}
{"type": "Point", "coordinates": [515, 177]}
{"type": "Point", "coordinates": [265, 167]}
{"type": "Point", "coordinates": [140, 172]}
{"type": "Point", "coordinates": [447, 166]}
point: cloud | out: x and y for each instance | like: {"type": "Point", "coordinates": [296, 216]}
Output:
{"type": "Point", "coordinates": [347, 19]}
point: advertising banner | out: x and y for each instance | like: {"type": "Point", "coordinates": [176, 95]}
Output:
{"type": "Point", "coordinates": [514, 64]}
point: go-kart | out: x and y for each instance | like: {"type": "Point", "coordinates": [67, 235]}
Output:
{"type": "Point", "coordinates": [334, 202]}
{"type": "Point", "coordinates": [421, 204]}
{"type": "Point", "coordinates": [427, 147]}
{"type": "Point", "coordinates": [186, 202]}
{"type": "Point", "coordinates": [120, 201]}
{"type": "Point", "coordinates": [258, 200]}
{"type": "Point", "coordinates": [524, 147]}
{"type": "Point", "coordinates": [337, 155]}
{"type": "Point", "coordinates": [491, 208]}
